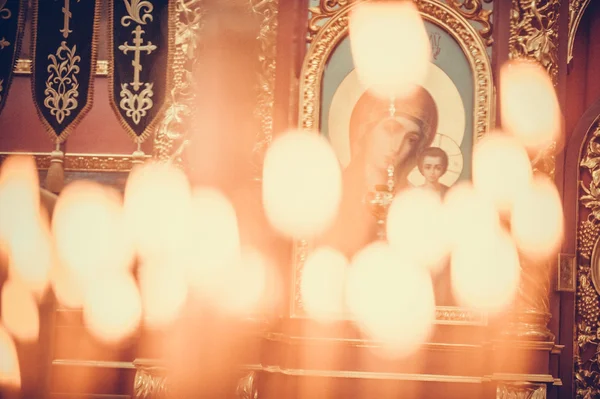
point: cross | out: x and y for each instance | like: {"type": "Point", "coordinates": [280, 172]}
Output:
{"type": "Point", "coordinates": [137, 48]}
{"type": "Point", "coordinates": [67, 17]}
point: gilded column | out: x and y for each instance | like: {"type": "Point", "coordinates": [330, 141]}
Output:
{"type": "Point", "coordinates": [534, 30]}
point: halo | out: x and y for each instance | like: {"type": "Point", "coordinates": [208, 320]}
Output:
{"type": "Point", "coordinates": [451, 110]}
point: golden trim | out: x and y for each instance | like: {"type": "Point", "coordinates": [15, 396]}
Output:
{"type": "Point", "coordinates": [93, 363]}
{"type": "Point", "coordinates": [367, 375]}
{"type": "Point", "coordinates": [23, 67]}
{"type": "Point", "coordinates": [90, 94]}
{"type": "Point", "coordinates": [325, 40]}
{"type": "Point", "coordinates": [81, 162]}
{"type": "Point", "coordinates": [153, 125]}
{"type": "Point", "coordinates": [543, 378]}
{"type": "Point", "coordinates": [265, 102]}
{"type": "Point", "coordinates": [473, 10]}
{"type": "Point", "coordinates": [576, 10]}
{"type": "Point", "coordinates": [566, 278]}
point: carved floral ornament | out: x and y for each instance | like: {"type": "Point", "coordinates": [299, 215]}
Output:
{"type": "Point", "coordinates": [587, 337]}
{"type": "Point", "coordinates": [328, 33]}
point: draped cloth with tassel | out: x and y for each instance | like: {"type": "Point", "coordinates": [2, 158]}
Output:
{"type": "Point", "coordinates": [64, 47]}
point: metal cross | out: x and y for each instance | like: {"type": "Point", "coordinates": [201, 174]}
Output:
{"type": "Point", "coordinates": [137, 48]}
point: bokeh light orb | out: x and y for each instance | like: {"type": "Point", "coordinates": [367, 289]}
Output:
{"type": "Point", "coordinates": [323, 284]}
{"type": "Point", "coordinates": [537, 221]}
{"type": "Point", "coordinates": [302, 184]}
{"type": "Point", "coordinates": [383, 36]}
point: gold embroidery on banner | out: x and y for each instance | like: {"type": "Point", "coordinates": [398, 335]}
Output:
{"type": "Point", "coordinates": [62, 87]}
{"type": "Point", "coordinates": [136, 105]}
{"type": "Point", "coordinates": [4, 43]}
{"type": "Point", "coordinates": [67, 18]}
{"type": "Point", "coordinates": [23, 67]}
{"type": "Point", "coordinates": [139, 11]}
{"type": "Point", "coordinates": [137, 48]}
{"type": "Point", "coordinates": [4, 12]}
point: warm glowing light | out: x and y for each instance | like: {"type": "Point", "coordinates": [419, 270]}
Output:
{"type": "Point", "coordinates": [414, 227]}
{"type": "Point", "coordinates": [529, 105]}
{"type": "Point", "coordinates": [501, 169]}
{"type": "Point", "coordinates": [89, 229]}
{"type": "Point", "coordinates": [164, 292]}
{"type": "Point", "coordinates": [485, 273]}
{"type": "Point", "coordinates": [19, 311]}
{"type": "Point", "coordinates": [215, 242]}
{"type": "Point", "coordinates": [466, 213]}
{"type": "Point", "coordinates": [537, 218]}
{"type": "Point", "coordinates": [10, 375]}
{"type": "Point", "coordinates": [323, 284]}
{"type": "Point", "coordinates": [67, 286]}
{"type": "Point", "coordinates": [392, 302]}
{"type": "Point", "coordinates": [383, 37]}
{"type": "Point", "coordinates": [244, 286]}
{"type": "Point", "coordinates": [302, 184]}
{"type": "Point", "coordinates": [112, 307]}
{"type": "Point", "coordinates": [21, 225]}
{"type": "Point", "coordinates": [157, 209]}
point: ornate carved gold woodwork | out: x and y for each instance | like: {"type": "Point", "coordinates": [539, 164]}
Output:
{"type": "Point", "coordinates": [170, 140]}
{"type": "Point", "coordinates": [521, 391]}
{"type": "Point", "coordinates": [534, 33]}
{"type": "Point", "coordinates": [246, 388]}
{"type": "Point", "coordinates": [471, 10]}
{"type": "Point", "coordinates": [576, 10]}
{"type": "Point", "coordinates": [267, 37]}
{"type": "Point", "coordinates": [150, 382]}
{"type": "Point", "coordinates": [87, 162]}
{"type": "Point", "coordinates": [327, 27]}
{"type": "Point", "coordinates": [587, 333]}
{"type": "Point", "coordinates": [534, 37]}
{"type": "Point", "coordinates": [23, 67]}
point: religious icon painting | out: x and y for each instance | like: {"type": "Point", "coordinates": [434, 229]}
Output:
{"type": "Point", "coordinates": [423, 140]}
{"type": "Point", "coordinates": [141, 49]}
{"type": "Point", "coordinates": [64, 47]}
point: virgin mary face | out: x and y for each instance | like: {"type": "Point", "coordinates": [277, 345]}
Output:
{"type": "Point", "coordinates": [392, 141]}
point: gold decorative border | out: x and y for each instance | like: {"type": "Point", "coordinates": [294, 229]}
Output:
{"type": "Point", "coordinates": [265, 103]}
{"type": "Point", "coordinates": [90, 94]}
{"type": "Point", "coordinates": [473, 10]}
{"type": "Point", "coordinates": [325, 40]}
{"type": "Point", "coordinates": [81, 162]}
{"type": "Point", "coordinates": [171, 31]}
{"type": "Point", "coordinates": [23, 67]}
{"type": "Point", "coordinates": [576, 11]}
{"type": "Point", "coordinates": [16, 50]}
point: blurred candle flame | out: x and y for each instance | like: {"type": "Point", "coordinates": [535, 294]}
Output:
{"type": "Point", "coordinates": [323, 284]}
{"type": "Point", "coordinates": [501, 169]}
{"type": "Point", "coordinates": [530, 109]}
{"type": "Point", "coordinates": [302, 184]}
{"type": "Point", "coordinates": [393, 303]}
{"type": "Point", "coordinates": [390, 47]}
{"type": "Point", "coordinates": [10, 375]}
{"type": "Point", "coordinates": [19, 311]}
{"type": "Point", "coordinates": [537, 218]}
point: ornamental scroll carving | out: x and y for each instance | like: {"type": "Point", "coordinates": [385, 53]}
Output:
{"type": "Point", "coordinates": [171, 135]}
{"type": "Point", "coordinates": [149, 384]}
{"type": "Point", "coordinates": [521, 391]}
{"type": "Point", "coordinates": [576, 10]}
{"type": "Point", "coordinates": [534, 33]}
{"type": "Point", "coordinates": [471, 10]}
{"type": "Point", "coordinates": [587, 338]}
